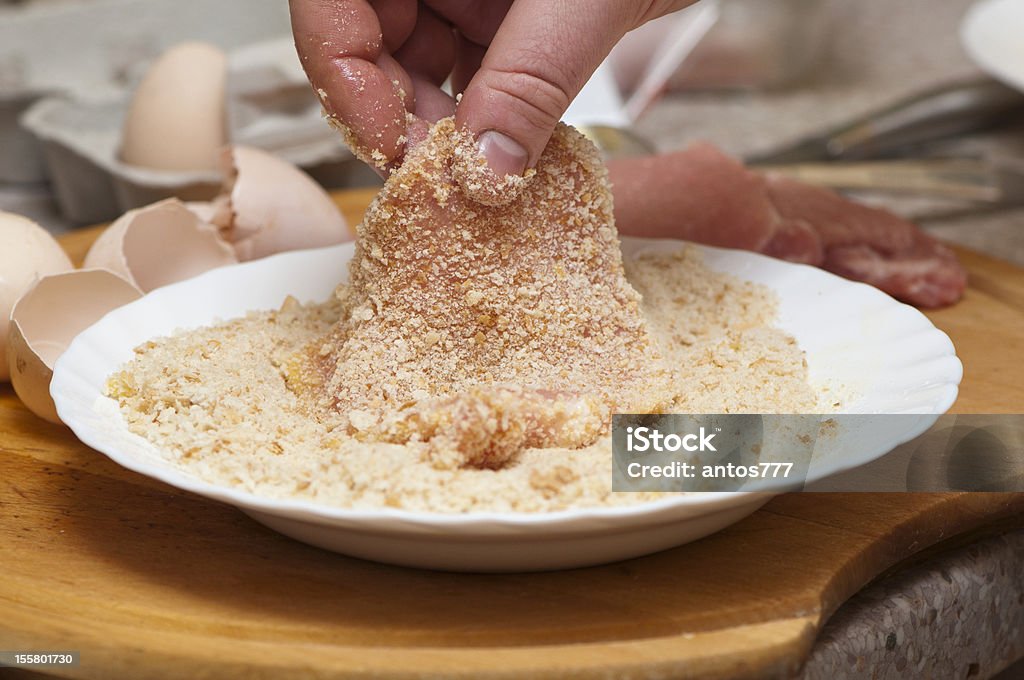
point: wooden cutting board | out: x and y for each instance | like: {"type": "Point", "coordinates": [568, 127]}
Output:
{"type": "Point", "coordinates": [147, 581]}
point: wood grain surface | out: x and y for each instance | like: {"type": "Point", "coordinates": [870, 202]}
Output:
{"type": "Point", "coordinates": [150, 582]}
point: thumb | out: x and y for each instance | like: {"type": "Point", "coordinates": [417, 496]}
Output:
{"type": "Point", "coordinates": [540, 58]}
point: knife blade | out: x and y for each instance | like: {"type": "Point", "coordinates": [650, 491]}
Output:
{"type": "Point", "coordinates": [952, 109]}
{"type": "Point", "coordinates": [995, 182]}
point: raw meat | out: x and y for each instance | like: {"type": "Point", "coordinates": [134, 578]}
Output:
{"type": "Point", "coordinates": [702, 195]}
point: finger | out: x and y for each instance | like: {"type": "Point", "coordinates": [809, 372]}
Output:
{"type": "Point", "coordinates": [417, 130]}
{"type": "Point", "coordinates": [429, 50]}
{"type": "Point", "coordinates": [478, 20]}
{"type": "Point", "coordinates": [397, 19]}
{"type": "Point", "coordinates": [399, 79]}
{"type": "Point", "coordinates": [468, 56]}
{"type": "Point", "coordinates": [538, 61]}
{"type": "Point", "coordinates": [340, 44]}
{"type": "Point", "coordinates": [365, 106]}
{"type": "Point", "coordinates": [432, 103]}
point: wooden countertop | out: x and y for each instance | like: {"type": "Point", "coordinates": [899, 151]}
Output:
{"type": "Point", "coordinates": [148, 581]}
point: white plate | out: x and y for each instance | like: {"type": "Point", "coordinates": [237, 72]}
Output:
{"type": "Point", "coordinates": [888, 353]}
{"type": "Point", "coordinates": [992, 32]}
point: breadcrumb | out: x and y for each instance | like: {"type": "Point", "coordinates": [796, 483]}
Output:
{"type": "Point", "coordinates": [215, 401]}
{"type": "Point", "coordinates": [453, 298]}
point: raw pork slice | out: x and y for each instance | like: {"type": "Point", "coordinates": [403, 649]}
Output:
{"type": "Point", "coordinates": [702, 195]}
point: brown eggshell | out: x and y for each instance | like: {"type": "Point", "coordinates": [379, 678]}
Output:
{"type": "Point", "coordinates": [204, 210]}
{"type": "Point", "coordinates": [177, 119]}
{"type": "Point", "coordinates": [270, 206]}
{"type": "Point", "coordinates": [27, 251]}
{"type": "Point", "coordinates": [45, 321]}
{"type": "Point", "coordinates": [159, 244]}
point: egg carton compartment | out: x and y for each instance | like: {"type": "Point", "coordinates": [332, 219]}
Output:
{"type": "Point", "coordinates": [80, 142]}
{"type": "Point", "coordinates": [81, 139]}
{"type": "Point", "coordinates": [96, 49]}
{"type": "Point", "coordinates": [269, 105]}
{"type": "Point", "coordinates": [22, 159]}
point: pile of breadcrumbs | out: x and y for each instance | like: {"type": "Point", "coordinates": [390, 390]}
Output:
{"type": "Point", "coordinates": [215, 400]}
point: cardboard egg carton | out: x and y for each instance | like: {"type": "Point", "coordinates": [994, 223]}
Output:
{"type": "Point", "coordinates": [22, 159]}
{"type": "Point", "coordinates": [80, 140]}
{"type": "Point", "coordinates": [95, 49]}
{"type": "Point", "coordinates": [270, 106]}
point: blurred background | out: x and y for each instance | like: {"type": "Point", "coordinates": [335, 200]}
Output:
{"type": "Point", "coordinates": [80, 140]}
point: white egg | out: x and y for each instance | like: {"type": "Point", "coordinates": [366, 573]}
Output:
{"type": "Point", "coordinates": [27, 251]}
{"type": "Point", "coordinates": [269, 206]}
{"type": "Point", "coordinates": [177, 119]}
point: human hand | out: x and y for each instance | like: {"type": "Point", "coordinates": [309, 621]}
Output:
{"type": "Point", "coordinates": [517, 63]}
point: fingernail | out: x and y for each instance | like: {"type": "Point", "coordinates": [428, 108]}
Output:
{"type": "Point", "coordinates": [504, 155]}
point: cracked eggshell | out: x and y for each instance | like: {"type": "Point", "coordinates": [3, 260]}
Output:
{"type": "Point", "coordinates": [27, 251]}
{"type": "Point", "coordinates": [159, 244]}
{"type": "Point", "coordinates": [45, 321]}
{"type": "Point", "coordinates": [269, 206]}
{"type": "Point", "coordinates": [177, 119]}
{"type": "Point", "coordinates": [204, 210]}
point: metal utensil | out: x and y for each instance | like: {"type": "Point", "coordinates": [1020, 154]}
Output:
{"type": "Point", "coordinates": [953, 109]}
{"type": "Point", "coordinates": [617, 142]}
{"type": "Point", "coordinates": [971, 179]}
